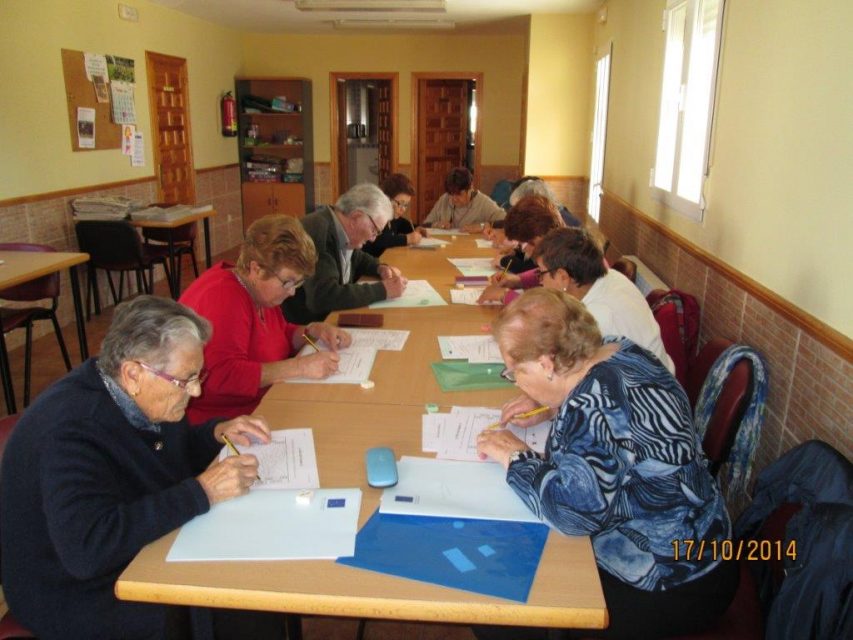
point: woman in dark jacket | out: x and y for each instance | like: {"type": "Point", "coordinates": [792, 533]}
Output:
{"type": "Point", "coordinates": [400, 231]}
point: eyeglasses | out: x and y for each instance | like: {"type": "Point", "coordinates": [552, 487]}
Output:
{"type": "Point", "coordinates": [400, 205]}
{"type": "Point", "coordinates": [178, 382]}
{"type": "Point", "coordinates": [377, 230]}
{"type": "Point", "coordinates": [287, 284]}
{"type": "Point", "coordinates": [508, 375]}
{"type": "Point", "coordinates": [541, 273]}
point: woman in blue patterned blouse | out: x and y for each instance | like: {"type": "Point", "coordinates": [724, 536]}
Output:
{"type": "Point", "coordinates": [622, 464]}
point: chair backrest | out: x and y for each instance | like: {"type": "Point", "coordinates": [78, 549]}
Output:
{"type": "Point", "coordinates": [113, 245]}
{"type": "Point", "coordinates": [731, 403]}
{"type": "Point", "coordinates": [501, 192]}
{"type": "Point", "coordinates": [38, 289]}
{"type": "Point", "coordinates": [677, 314]}
{"type": "Point", "coordinates": [7, 423]}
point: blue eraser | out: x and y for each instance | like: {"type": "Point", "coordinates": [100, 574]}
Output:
{"type": "Point", "coordinates": [381, 467]}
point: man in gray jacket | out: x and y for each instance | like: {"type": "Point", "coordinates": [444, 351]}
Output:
{"type": "Point", "coordinates": [339, 233]}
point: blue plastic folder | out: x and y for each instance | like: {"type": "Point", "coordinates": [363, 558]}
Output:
{"type": "Point", "coordinates": [491, 557]}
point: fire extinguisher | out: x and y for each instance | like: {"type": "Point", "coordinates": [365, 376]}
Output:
{"type": "Point", "coordinates": [228, 107]}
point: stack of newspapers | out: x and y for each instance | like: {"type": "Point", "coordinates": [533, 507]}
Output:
{"type": "Point", "coordinates": [104, 207]}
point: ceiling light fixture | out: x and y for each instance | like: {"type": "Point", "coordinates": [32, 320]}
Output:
{"type": "Point", "coordinates": [371, 5]}
{"type": "Point", "coordinates": [365, 25]}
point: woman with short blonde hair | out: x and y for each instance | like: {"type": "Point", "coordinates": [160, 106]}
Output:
{"type": "Point", "coordinates": [253, 345]}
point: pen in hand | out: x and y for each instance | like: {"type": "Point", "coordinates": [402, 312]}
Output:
{"type": "Point", "coordinates": [518, 416]}
{"type": "Point", "coordinates": [311, 342]}
{"type": "Point", "coordinates": [234, 449]}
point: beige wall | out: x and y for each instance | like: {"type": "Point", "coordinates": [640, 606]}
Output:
{"type": "Point", "coordinates": [500, 58]}
{"type": "Point", "coordinates": [779, 190]}
{"type": "Point", "coordinates": [559, 88]}
{"type": "Point", "coordinates": [36, 156]}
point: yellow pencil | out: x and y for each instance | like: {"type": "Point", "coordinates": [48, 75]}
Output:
{"type": "Point", "coordinates": [233, 449]}
{"type": "Point", "coordinates": [311, 342]}
{"type": "Point", "coordinates": [517, 416]}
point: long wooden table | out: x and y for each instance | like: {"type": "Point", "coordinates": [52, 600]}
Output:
{"type": "Point", "coordinates": [19, 267]}
{"type": "Point", "coordinates": [346, 421]}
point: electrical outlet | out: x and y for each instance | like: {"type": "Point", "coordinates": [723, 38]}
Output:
{"type": "Point", "coordinates": [126, 12]}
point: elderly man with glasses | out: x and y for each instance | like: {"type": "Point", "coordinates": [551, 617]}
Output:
{"type": "Point", "coordinates": [339, 233]}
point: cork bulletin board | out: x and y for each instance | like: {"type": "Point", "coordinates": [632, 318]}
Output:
{"type": "Point", "coordinates": [80, 92]}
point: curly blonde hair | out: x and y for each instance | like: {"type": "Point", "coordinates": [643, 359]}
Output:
{"type": "Point", "coordinates": [547, 322]}
{"type": "Point", "coordinates": [277, 241]}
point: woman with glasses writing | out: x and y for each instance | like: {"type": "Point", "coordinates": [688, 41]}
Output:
{"type": "Point", "coordinates": [104, 463]}
{"type": "Point", "coordinates": [400, 231]}
{"type": "Point", "coordinates": [253, 345]}
{"type": "Point", "coordinates": [623, 465]}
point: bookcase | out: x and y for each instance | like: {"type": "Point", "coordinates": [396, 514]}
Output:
{"type": "Point", "coordinates": [276, 146]}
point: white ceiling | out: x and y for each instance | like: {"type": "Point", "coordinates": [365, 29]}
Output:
{"type": "Point", "coordinates": [281, 16]}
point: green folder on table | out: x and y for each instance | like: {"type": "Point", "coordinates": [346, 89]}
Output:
{"type": "Point", "coordinates": [457, 375]}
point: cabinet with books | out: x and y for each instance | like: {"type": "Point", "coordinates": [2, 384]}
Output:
{"type": "Point", "coordinates": [276, 146]}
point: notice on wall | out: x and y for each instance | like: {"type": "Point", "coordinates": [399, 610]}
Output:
{"type": "Point", "coordinates": [121, 69]}
{"type": "Point", "coordinates": [96, 65]}
{"type": "Point", "coordinates": [138, 157]}
{"type": "Point", "coordinates": [127, 133]}
{"type": "Point", "coordinates": [124, 111]}
{"type": "Point", "coordinates": [85, 128]}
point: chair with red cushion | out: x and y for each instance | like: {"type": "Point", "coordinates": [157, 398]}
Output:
{"type": "Point", "coordinates": [731, 403]}
{"type": "Point", "coordinates": [9, 627]}
{"type": "Point", "coordinates": [46, 287]}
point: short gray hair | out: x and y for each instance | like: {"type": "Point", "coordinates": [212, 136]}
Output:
{"type": "Point", "coordinates": [369, 199]}
{"type": "Point", "coordinates": [534, 187]}
{"type": "Point", "coordinates": [149, 328]}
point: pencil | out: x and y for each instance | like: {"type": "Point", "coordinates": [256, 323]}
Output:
{"type": "Point", "coordinates": [526, 414]}
{"type": "Point", "coordinates": [311, 342]}
{"type": "Point", "coordinates": [234, 449]}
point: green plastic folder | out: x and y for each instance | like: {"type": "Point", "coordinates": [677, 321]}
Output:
{"type": "Point", "coordinates": [464, 376]}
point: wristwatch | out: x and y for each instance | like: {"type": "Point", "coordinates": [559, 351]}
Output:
{"type": "Point", "coordinates": [521, 454]}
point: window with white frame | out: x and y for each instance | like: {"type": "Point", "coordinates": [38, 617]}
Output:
{"type": "Point", "coordinates": [693, 29]}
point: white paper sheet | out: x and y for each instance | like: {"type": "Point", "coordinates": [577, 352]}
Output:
{"type": "Point", "coordinates": [453, 489]}
{"type": "Point", "coordinates": [468, 295]}
{"type": "Point", "coordinates": [288, 462]}
{"type": "Point", "coordinates": [430, 243]}
{"type": "Point", "coordinates": [380, 339]}
{"type": "Point", "coordinates": [482, 243]}
{"type": "Point", "coordinates": [478, 349]}
{"type": "Point", "coordinates": [418, 293]}
{"type": "Point", "coordinates": [473, 266]}
{"type": "Point", "coordinates": [446, 232]}
{"type": "Point", "coordinates": [270, 525]}
{"type": "Point", "coordinates": [431, 431]}
{"type": "Point", "coordinates": [457, 438]}
{"type": "Point", "coordinates": [354, 367]}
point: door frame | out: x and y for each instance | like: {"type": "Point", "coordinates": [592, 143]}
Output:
{"type": "Point", "coordinates": [154, 140]}
{"type": "Point", "coordinates": [334, 76]}
{"type": "Point", "coordinates": [477, 77]}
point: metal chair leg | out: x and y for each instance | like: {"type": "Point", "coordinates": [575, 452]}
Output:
{"type": "Point", "coordinates": [28, 362]}
{"type": "Point", "coordinates": [61, 340]}
{"type": "Point", "coordinates": [6, 375]}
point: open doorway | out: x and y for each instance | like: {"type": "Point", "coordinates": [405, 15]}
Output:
{"type": "Point", "coordinates": [445, 132]}
{"type": "Point", "coordinates": [364, 123]}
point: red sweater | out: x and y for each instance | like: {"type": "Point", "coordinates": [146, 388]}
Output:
{"type": "Point", "coordinates": [241, 342]}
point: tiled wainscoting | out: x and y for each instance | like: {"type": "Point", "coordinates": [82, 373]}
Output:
{"type": "Point", "coordinates": [47, 220]}
{"type": "Point", "coordinates": [811, 375]}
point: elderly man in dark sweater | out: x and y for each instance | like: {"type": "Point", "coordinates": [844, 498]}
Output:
{"type": "Point", "coordinates": [338, 233]}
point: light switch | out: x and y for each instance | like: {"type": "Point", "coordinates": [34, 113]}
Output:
{"type": "Point", "coordinates": [126, 12]}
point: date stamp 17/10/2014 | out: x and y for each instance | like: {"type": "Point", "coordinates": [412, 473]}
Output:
{"type": "Point", "coordinates": [764, 550]}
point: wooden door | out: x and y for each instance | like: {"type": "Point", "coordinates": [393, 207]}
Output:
{"type": "Point", "coordinates": [384, 128]}
{"type": "Point", "coordinates": [442, 133]}
{"type": "Point", "coordinates": [168, 97]}
{"type": "Point", "coordinates": [289, 198]}
{"type": "Point", "coordinates": [257, 201]}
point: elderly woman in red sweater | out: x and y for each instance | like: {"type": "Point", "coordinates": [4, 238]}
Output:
{"type": "Point", "coordinates": [253, 345]}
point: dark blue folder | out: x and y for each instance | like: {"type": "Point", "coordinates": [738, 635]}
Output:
{"type": "Point", "coordinates": [491, 557]}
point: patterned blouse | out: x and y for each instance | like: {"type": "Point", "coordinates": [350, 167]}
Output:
{"type": "Point", "coordinates": [624, 465]}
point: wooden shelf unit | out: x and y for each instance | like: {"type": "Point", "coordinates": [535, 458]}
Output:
{"type": "Point", "coordinates": [274, 129]}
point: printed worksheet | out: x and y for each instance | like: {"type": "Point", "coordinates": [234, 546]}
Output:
{"type": "Point", "coordinates": [477, 349]}
{"type": "Point", "coordinates": [469, 295]}
{"type": "Point", "coordinates": [473, 266]}
{"type": "Point", "coordinates": [482, 243]}
{"type": "Point", "coordinates": [430, 243]}
{"type": "Point", "coordinates": [418, 293]}
{"type": "Point", "coordinates": [453, 436]}
{"type": "Point", "coordinates": [354, 367]}
{"type": "Point", "coordinates": [446, 232]}
{"type": "Point", "coordinates": [379, 339]}
{"type": "Point", "coordinates": [287, 462]}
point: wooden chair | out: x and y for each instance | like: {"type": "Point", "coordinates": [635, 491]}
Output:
{"type": "Point", "coordinates": [46, 287]}
{"type": "Point", "coordinates": [9, 626]}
